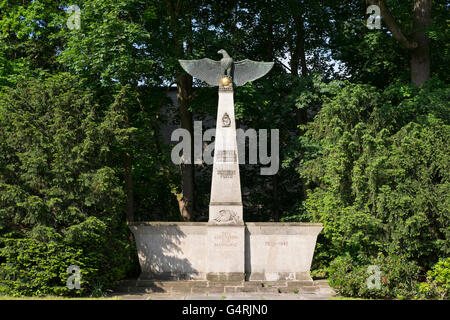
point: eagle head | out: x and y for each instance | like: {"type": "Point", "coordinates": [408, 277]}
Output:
{"type": "Point", "coordinates": [223, 53]}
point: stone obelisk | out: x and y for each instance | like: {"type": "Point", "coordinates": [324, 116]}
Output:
{"type": "Point", "coordinates": [226, 234]}
{"type": "Point", "coordinates": [226, 231]}
{"type": "Point", "coordinates": [226, 202]}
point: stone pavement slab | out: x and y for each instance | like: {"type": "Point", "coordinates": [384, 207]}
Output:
{"type": "Point", "coordinates": [230, 296]}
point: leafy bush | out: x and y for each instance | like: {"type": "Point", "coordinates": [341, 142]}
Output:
{"type": "Point", "coordinates": [378, 169]}
{"type": "Point", "coordinates": [108, 253]}
{"type": "Point", "coordinates": [377, 165]}
{"type": "Point", "coordinates": [397, 278]}
{"type": "Point", "coordinates": [36, 267]}
{"type": "Point", "coordinates": [61, 191]}
{"type": "Point", "coordinates": [437, 285]}
{"type": "Point", "coordinates": [32, 267]}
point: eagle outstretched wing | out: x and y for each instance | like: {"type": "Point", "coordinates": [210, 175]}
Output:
{"type": "Point", "coordinates": [249, 70]}
{"type": "Point", "coordinates": [204, 69]}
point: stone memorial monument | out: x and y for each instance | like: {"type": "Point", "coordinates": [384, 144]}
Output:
{"type": "Point", "coordinates": [225, 248]}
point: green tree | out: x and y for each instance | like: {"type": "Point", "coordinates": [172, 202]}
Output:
{"type": "Point", "coordinates": [378, 164]}
{"type": "Point", "coordinates": [58, 180]}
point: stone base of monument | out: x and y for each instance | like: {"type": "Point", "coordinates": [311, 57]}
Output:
{"type": "Point", "coordinates": [193, 287]}
{"type": "Point", "coordinates": [257, 253]}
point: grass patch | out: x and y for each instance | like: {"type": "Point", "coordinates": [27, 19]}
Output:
{"type": "Point", "coordinates": [345, 298]}
{"type": "Point", "coordinates": [57, 298]}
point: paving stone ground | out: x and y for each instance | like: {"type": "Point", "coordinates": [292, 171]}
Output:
{"type": "Point", "coordinates": [319, 291]}
{"type": "Point", "coordinates": [232, 296]}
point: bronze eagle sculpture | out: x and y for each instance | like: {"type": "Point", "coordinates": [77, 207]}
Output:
{"type": "Point", "coordinates": [211, 71]}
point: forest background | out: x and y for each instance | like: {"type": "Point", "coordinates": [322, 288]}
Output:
{"type": "Point", "coordinates": [363, 119]}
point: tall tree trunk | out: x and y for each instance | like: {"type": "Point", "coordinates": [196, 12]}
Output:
{"type": "Point", "coordinates": [269, 47]}
{"type": "Point", "coordinates": [186, 200]}
{"type": "Point", "coordinates": [184, 85]}
{"type": "Point", "coordinates": [128, 169]}
{"type": "Point", "coordinates": [276, 197]}
{"type": "Point", "coordinates": [298, 48]}
{"type": "Point", "coordinates": [301, 43]}
{"type": "Point", "coordinates": [129, 187]}
{"type": "Point", "coordinates": [269, 56]}
{"type": "Point", "coordinates": [420, 56]}
{"type": "Point", "coordinates": [419, 47]}
{"type": "Point", "coordinates": [299, 55]}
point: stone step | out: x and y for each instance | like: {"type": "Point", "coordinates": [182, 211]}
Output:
{"type": "Point", "coordinates": [165, 284]}
{"type": "Point", "coordinates": [139, 290]}
{"type": "Point", "coordinates": [217, 287]}
{"type": "Point", "coordinates": [321, 283]}
{"type": "Point", "coordinates": [269, 284]}
{"type": "Point", "coordinates": [225, 283]}
{"type": "Point", "coordinates": [301, 283]}
{"type": "Point", "coordinates": [128, 282]}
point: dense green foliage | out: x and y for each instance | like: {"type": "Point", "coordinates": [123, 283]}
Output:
{"type": "Point", "coordinates": [59, 186]}
{"type": "Point", "coordinates": [379, 169]}
{"type": "Point", "coordinates": [437, 285]}
{"type": "Point", "coordinates": [37, 268]}
{"type": "Point", "coordinates": [83, 112]}
{"type": "Point", "coordinates": [398, 278]}
{"type": "Point", "coordinates": [378, 163]}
